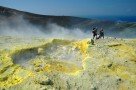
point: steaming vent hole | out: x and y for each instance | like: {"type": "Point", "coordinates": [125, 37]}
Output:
{"type": "Point", "coordinates": [52, 51]}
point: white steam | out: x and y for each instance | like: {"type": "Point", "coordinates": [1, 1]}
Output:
{"type": "Point", "coordinates": [61, 32]}
{"type": "Point", "coordinates": [18, 26]}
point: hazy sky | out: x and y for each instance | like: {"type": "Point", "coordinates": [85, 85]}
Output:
{"type": "Point", "coordinates": [74, 7]}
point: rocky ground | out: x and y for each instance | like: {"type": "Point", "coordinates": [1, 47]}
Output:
{"type": "Point", "coordinates": [57, 64]}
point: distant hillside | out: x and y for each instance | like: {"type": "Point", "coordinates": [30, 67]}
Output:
{"type": "Point", "coordinates": [65, 21]}
{"type": "Point", "coordinates": [124, 29]}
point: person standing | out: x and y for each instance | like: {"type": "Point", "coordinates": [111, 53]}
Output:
{"type": "Point", "coordinates": [94, 32]}
{"type": "Point", "coordinates": [101, 33]}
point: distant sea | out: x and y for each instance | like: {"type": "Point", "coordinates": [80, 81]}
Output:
{"type": "Point", "coordinates": [115, 18]}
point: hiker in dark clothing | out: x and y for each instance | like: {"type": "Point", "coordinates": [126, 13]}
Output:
{"type": "Point", "coordinates": [94, 33]}
{"type": "Point", "coordinates": [101, 34]}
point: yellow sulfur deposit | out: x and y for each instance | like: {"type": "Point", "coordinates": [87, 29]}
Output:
{"type": "Point", "coordinates": [58, 64]}
{"type": "Point", "coordinates": [82, 46]}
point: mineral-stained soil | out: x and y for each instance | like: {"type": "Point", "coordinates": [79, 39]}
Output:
{"type": "Point", "coordinates": [57, 64]}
